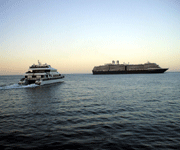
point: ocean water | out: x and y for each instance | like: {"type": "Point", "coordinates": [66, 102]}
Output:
{"type": "Point", "coordinates": [92, 112]}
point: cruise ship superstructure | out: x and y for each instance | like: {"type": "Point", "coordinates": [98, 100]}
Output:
{"type": "Point", "coordinates": [41, 74]}
{"type": "Point", "coordinates": [116, 68]}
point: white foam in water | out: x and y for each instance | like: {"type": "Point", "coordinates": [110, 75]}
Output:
{"type": "Point", "coordinates": [17, 86]}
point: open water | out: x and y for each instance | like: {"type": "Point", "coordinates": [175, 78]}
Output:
{"type": "Point", "coordinates": [92, 112]}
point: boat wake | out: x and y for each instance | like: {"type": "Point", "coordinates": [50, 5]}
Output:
{"type": "Point", "coordinates": [17, 86]}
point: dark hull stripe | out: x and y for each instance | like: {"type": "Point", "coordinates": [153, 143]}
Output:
{"type": "Point", "coordinates": [131, 72]}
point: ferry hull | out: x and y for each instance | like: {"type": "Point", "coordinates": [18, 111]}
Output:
{"type": "Point", "coordinates": [131, 71]}
{"type": "Point", "coordinates": [44, 82]}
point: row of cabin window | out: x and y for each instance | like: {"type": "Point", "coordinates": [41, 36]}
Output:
{"type": "Point", "coordinates": [42, 76]}
{"type": "Point", "coordinates": [42, 71]}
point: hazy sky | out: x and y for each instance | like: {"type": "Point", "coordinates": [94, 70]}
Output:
{"type": "Point", "coordinates": [73, 36]}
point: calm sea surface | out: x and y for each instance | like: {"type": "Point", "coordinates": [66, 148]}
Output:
{"type": "Point", "coordinates": [92, 112]}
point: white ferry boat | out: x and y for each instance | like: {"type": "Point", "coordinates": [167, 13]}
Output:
{"type": "Point", "coordinates": [41, 74]}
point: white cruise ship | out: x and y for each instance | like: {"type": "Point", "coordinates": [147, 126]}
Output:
{"type": "Point", "coordinates": [128, 68]}
{"type": "Point", "coordinates": [41, 74]}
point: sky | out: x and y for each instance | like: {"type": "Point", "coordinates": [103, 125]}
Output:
{"type": "Point", "coordinates": [73, 36]}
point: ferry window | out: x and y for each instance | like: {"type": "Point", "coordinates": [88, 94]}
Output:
{"type": "Point", "coordinates": [42, 76]}
{"type": "Point", "coordinates": [33, 76]}
{"type": "Point", "coordinates": [25, 76]}
{"type": "Point", "coordinates": [46, 75]}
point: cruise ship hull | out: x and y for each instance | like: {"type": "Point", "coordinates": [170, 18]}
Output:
{"type": "Point", "coordinates": [131, 71]}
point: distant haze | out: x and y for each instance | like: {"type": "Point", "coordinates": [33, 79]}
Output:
{"type": "Point", "coordinates": [73, 36]}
